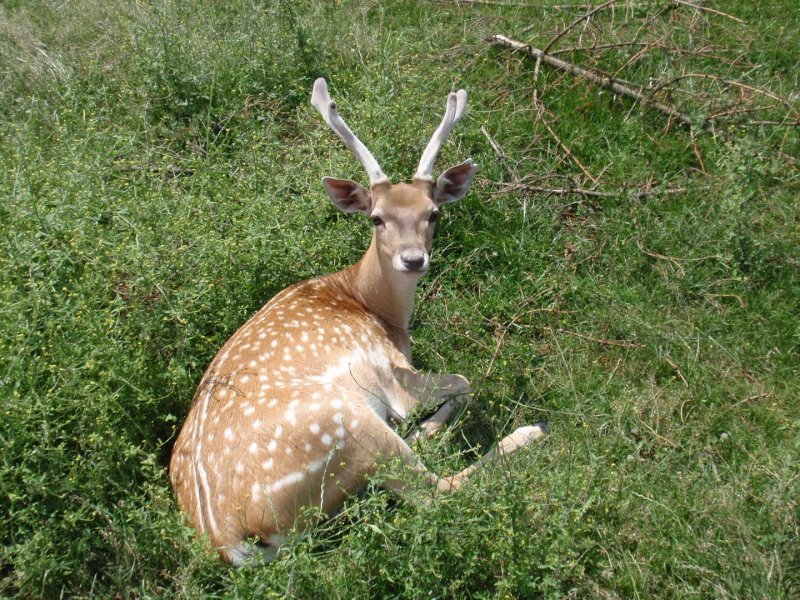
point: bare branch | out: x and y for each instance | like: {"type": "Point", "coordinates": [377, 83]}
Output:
{"type": "Point", "coordinates": [710, 10]}
{"type": "Point", "coordinates": [577, 21]}
{"type": "Point", "coordinates": [638, 192]}
{"type": "Point", "coordinates": [601, 79]}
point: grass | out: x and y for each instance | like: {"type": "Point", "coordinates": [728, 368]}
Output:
{"type": "Point", "coordinates": [159, 177]}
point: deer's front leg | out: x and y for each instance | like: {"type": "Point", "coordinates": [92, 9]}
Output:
{"type": "Point", "coordinates": [448, 392]}
{"type": "Point", "coordinates": [432, 389]}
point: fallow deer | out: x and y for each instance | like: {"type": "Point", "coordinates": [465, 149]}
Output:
{"type": "Point", "coordinates": [299, 406]}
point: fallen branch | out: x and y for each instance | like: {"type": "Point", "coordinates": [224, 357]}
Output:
{"type": "Point", "coordinates": [710, 10]}
{"type": "Point", "coordinates": [674, 366]}
{"type": "Point", "coordinates": [567, 151]}
{"type": "Point", "coordinates": [676, 260]}
{"type": "Point", "coordinates": [602, 342]}
{"type": "Point", "coordinates": [601, 79]}
{"type": "Point", "coordinates": [727, 82]}
{"type": "Point", "coordinates": [577, 21]}
{"type": "Point", "coordinates": [589, 193]}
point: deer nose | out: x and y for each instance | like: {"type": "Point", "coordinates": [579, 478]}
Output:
{"type": "Point", "coordinates": [414, 262]}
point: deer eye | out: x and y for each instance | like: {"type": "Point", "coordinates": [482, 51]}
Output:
{"type": "Point", "coordinates": [433, 217]}
{"type": "Point", "coordinates": [376, 220]}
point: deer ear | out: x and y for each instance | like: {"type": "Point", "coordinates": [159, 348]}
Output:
{"type": "Point", "coordinates": [454, 183]}
{"type": "Point", "coordinates": [348, 195]}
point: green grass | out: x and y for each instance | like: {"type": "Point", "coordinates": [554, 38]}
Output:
{"type": "Point", "coordinates": [159, 181]}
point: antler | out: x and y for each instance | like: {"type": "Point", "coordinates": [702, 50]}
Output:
{"type": "Point", "coordinates": [321, 100]}
{"type": "Point", "coordinates": [456, 107]}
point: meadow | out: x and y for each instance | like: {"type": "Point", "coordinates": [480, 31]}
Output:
{"type": "Point", "coordinates": [632, 278]}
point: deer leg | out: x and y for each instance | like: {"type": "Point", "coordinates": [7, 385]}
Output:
{"type": "Point", "coordinates": [430, 426]}
{"type": "Point", "coordinates": [390, 445]}
{"type": "Point", "coordinates": [432, 389]}
{"type": "Point", "coordinates": [448, 392]}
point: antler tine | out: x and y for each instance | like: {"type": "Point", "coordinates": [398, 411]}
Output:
{"type": "Point", "coordinates": [321, 100]}
{"type": "Point", "coordinates": [456, 107]}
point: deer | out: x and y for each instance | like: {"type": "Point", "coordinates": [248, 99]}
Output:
{"type": "Point", "coordinates": [301, 405]}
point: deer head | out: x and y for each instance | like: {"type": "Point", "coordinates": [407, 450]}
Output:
{"type": "Point", "coordinates": [404, 214]}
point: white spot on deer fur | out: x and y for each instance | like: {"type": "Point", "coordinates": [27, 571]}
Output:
{"type": "Point", "coordinates": [272, 403]}
{"type": "Point", "coordinates": [253, 448]}
{"type": "Point", "coordinates": [285, 481]}
{"type": "Point", "coordinates": [326, 439]}
{"type": "Point", "coordinates": [290, 415]}
{"type": "Point", "coordinates": [354, 423]}
{"type": "Point", "coordinates": [336, 403]}
{"type": "Point", "coordinates": [307, 447]}
{"type": "Point", "coordinates": [314, 427]}
{"type": "Point", "coordinates": [257, 424]}
{"type": "Point", "coordinates": [318, 464]}
{"type": "Point", "coordinates": [278, 431]}
{"type": "Point", "coordinates": [255, 491]}
{"type": "Point", "coordinates": [267, 464]}
{"type": "Point", "coordinates": [222, 392]}
{"type": "Point", "coordinates": [273, 444]}
{"type": "Point", "coordinates": [340, 432]}
{"type": "Point", "coordinates": [228, 434]}
{"type": "Point", "coordinates": [314, 406]}
{"type": "Point", "coordinates": [273, 343]}
{"type": "Point", "coordinates": [239, 468]}
{"type": "Point", "coordinates": [249, 409]}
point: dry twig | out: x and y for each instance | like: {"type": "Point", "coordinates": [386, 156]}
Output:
{"type": "Point", "coordinates": [601, 79]}
{"type": "Point", "coordinates": [698, 8]}
{"type": "Point", "coordinates": [677, 370]}
{"type": "Point", "coordinates": [639, 192]}
{"type": "Point", "coordinates": [577, 21]}
{"type": "Point", "coordinates": [604, 342]}
{"type": "Point", "coordinates": [567, 151]}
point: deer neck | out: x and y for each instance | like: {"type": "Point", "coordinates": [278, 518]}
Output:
{"type": "Point", "coordinates": [383, 290]}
